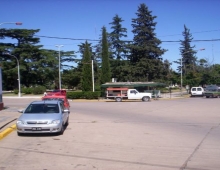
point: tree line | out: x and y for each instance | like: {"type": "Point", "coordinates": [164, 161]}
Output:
{"type": "Point", "coordinates": [138, 60]}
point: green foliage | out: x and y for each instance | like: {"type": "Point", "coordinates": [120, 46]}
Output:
{"type": "Point", "coordinates": [87, 70]}
{"type": "Point", "coordinates": [187, 52]}
{"type": "Point", "coordinates": [38, 90]}
{"type": "Point", "coordinates": [145, 50]}
{"type": "Point", "coordinates": [37, 66]}
{"type": "Point", "coordinates": [15, 91]}
{"type": "Point", "coordinates": [26, 90]}
{"type": "Point", "coordinates": [83, 95]}
{"type": "Point", "coordinates": [71, 78]}
{"type": "Point", "coordinates": [118, 32]}
{"type": "Point", "coordinates": [106, 73]}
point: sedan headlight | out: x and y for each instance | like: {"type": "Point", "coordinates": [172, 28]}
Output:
{"type": "Point", "coordinates": [19, 122]}
{"type": "Point", "coordinates": [55, 122]}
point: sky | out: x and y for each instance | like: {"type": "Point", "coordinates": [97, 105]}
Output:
{"type": "Point", "coordinates": [83, 19]}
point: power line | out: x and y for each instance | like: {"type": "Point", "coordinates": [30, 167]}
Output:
{"type": "Point", "coordinates": [81, 39]}
{"type": "Point", "coordinates": [198, 32]}
{"type": "Point", "coordinates": [65, 38]}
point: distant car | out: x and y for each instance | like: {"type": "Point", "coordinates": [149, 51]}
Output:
{"type": "Point", "coordinates": [43, 117]}
{"type": "Point", "coordinates": [196, 91]}
{"type": "Point", "coordinates": [58, 97]}
{"type": "Point", "coordinates": [212, 91]}
{"type": "Point", "coordinates": [57, 92]}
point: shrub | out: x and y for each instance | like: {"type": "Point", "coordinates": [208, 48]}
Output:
{"type": "Point", "coordinates": [26, 90]}
{"type": "Point", "coordinates": [15, 91]}
{"type": "Point", "coordinates": [38, 90]}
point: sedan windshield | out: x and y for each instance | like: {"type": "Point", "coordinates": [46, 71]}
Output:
{"type": "Point", "coordinates": [42, 108]}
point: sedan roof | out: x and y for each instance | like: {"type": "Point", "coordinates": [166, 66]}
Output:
{"type": "Point", "coordinates": [46, 102]}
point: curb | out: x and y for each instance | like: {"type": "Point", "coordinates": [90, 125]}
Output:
{"type": "Point", "coordinates": [7, 131]}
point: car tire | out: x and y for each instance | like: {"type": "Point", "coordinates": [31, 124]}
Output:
{"type": "Point", "coordinates": [146, 99]}
{"type": "Point", "coordinates": [19, 134]}
{"type": "Point", "coordinates": [118, 99]}
{"type": "Point", "coordinates": [67, 122]}
{"type": "Point", "coordinates": [61, 131]}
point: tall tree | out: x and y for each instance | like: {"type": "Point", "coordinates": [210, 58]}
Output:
{"type": "Point", "coordinates": [118, 32]}
{"type": "Point", "coordinates": [27, 52]}
{"type": "Point", "coordinates": [37, 66]}
{"type": "Point", "coordinates": [187, 52]}
{"type": "Point", "coordinates": [145, 51]}
{"type": "Point", "coordinates": [87, 73]}
{"type": "Point", "coordinates": [118, 48]}
{"type": "Point", "coordinates": [105, 73]}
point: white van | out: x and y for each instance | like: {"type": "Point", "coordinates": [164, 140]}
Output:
{"type": "Point", "coordinates": [197, 91]}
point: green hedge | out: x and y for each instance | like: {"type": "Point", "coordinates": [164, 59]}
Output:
{"type": "Point", "coordinates": [83, 95]}
{"type": "Point", "coordinates": [32, 90]}
{"type": "Point", "coordinates": [38, 90]}
{"type": "Point", "coordinates": [26, 90]}
{"type": "Point", "coordinates": [15, 91]}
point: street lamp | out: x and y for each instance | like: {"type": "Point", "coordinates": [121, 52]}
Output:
{"type": "Point", "coordinates": [19, 82]}
{"type": "Point", "coordinates": [17, 23]}
{"type": "Point", "coordinates": [59, 46]}
{"type": "Point", "coordinates": [181, 72]}
{"type": "Point", "coordinates": [92, 77]}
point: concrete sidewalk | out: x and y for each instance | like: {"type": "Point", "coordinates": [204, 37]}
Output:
{"type": "Point", "coordinates": [8, 119]}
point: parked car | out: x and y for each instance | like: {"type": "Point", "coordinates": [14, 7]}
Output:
{"type": "Point", "coordinates": [43, 117]}
{"type": "Point", "coordinates": [58, 97]}
{"type": "Point", "coordinates": [196, 91]}
{"type": "Point", "coordinates": [212, 91]}
{"type": "Point", "coordinates": [57, 92]}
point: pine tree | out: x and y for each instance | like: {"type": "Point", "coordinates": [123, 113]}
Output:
{"type": "Point", "coordinates": [87, 69]}
{"type": "Point", "coordinates": [145, 50]}
{"type": "Point", "coordinates": [118, 46]}
{"type": "Point", "coordinates": [187, 53]}
{"type": "Point", "coordinates": [105, 73]}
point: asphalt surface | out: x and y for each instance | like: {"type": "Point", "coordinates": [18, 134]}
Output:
{"type": "Point", "coordinates": [182, 133]}
{"type": "Point", "coordinates": [9, 115]}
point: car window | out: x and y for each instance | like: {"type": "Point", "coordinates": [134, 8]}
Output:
{"type": "Point", "coordinates": [193, 89]}
{"type": "Point", "coordinates": [62, 106]}
{"type": "Point", "coordinates": [42, 108]}
{"type": "Point", "coordinates": [210, 89]}
{"type": "Point", "coordinates": [133, 91]}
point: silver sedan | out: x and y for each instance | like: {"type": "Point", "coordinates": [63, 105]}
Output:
{"type": "Point", "coordinates": [43, 117]}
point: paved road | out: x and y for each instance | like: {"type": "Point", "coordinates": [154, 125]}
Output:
{"type": "Point", "coordinates": [158, 135]}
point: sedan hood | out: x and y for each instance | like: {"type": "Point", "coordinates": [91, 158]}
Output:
{"type": "Point", "coordinates": [40, 116]}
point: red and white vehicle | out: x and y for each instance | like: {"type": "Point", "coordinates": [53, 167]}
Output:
{"type": "Point", "coordinates": [57, 92]}
{"type": "Point", "coordinates": [58, 95]}
{"type": "Point", "coordinates": [119, 94]}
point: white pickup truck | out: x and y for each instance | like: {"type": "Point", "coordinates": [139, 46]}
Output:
{"type": "Point", "coordinates": [119, 94]}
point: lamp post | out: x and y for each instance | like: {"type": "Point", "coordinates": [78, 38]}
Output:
{"type": "Point", "coordinates": [59, 46]}
{"type": "Point", "coordinates": [181, 72]}
{"type": "Point", "coordinates": [92, 77]}
{"type": "Point", "coordinates": [19, 81]}
{"type": "Point", "coordinates": [17, 23]}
